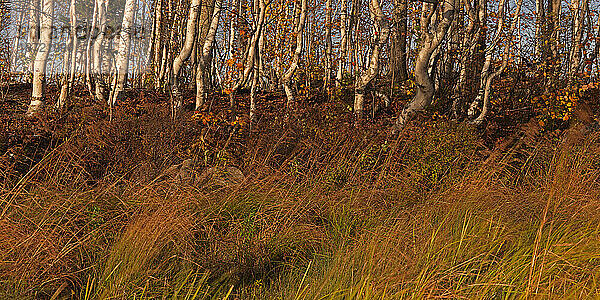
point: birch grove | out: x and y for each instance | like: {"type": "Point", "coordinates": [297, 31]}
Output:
{"type": "Point", "coordinates": [449, 56]}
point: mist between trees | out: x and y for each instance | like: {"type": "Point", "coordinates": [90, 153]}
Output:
{"type": "Point", "coordinates": [450, 53]}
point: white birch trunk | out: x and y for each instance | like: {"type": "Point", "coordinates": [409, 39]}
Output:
{"type": "Point", "coordinates": [505, 57]}
{"type": "Point", "coordinates": [98, 50]}
{"type": "Point", "coordinates": [343, 43]}
{"type": "Point", "coordinates": [382, 30]}
{"type": "Point", "coordinates": [328, 43]}
{"type": "Point", "coordinates": [69, 60]}
{"type": "Point", "coordinates": [287, 76]}
{"type": "Point", "coordinates": [575, 53]}
{"type": "Point", "coordinates": [88, 51]}
{"type": "Point", "coordinates": [469, 42]}
{"type": "Point", "coordinates": [33, 36]}
{"type": "Point", "coordinates": [431, 40]}
{"type": "Point", "coordinates": [203, 62]}
{"type": "Point", "coordinates": [41, 58]}
{"type": "Point", "coordinates": [122, 61]}
{"type": "Point", "coordinates": [485, 71]}
{"type": "Point", "coordinates": [190, 37]}
{"type": "Point", "coordinates": [253, 45]}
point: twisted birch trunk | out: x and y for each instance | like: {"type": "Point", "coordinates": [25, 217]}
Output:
{"type": "Point", "coordinates": [251, 60]}
{"type": "Point", "coordinates": [204, 61]}
{"type": "Point", "coordinates": [287, 76]}
{"type": "Point", "coordinates": [190, 37]}
{"type": "Point", "coordinates": [505, 57]}
{"type": "Point", "coordinates": [382, 31]}
{"type": "Point", "coordinates": [431, 38]}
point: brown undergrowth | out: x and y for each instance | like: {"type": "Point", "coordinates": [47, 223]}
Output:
{"type": "Point", "coordinates": [324, 210]}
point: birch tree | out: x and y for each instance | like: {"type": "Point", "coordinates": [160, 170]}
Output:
{"type": "Point", "coordinates": [252, 52]}
{"type": "Point", "coordinates": [469, 43]}
{"type": "Point", "coordinates": [343, 53]}
{"type": "Point", "coordinates": [33, 36]}
{"type": "Point", "coordinates": [287, 76]}
{"type": "Point", "coordinates": [122, 60]}
{"type": "Point", "coordinates": [328, 44]}
{"type": "Point", "coordinates": [69, 60]}
{"type": "Point", "coordinates": [431, 36]}
{"type": "Point", "coordinates": [381, 28]}
{"type": "Point", "coordinates": [489, 51]}
{"type": "Point", "coordinates": [97, 48]}
{"type": "Point", "coordinates": [203, 62]}
{"type": "Point", "coordinates": [579, 8]}
{"type": "Point", "coordinates": [399, 38]}
{"type": "Point", "coordinates": [505, 58]}
{"type": "Point", "coordinates": [41, 57]}
{"type": "Point", "coordinates": [190, 37]}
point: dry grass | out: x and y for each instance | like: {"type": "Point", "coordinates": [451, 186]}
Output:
{"type": "Point", "coordinates": [325, 212]}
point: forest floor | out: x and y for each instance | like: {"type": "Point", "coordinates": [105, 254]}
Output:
{"type": "Point", "coordinates": [203, 206]}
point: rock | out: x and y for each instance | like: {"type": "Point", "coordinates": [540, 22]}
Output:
{"type": "Point", "coordinates": [221, 177]}
{"type": "Point", "coordinates": [180, 173]}
{"type": "Point", "coordinates": [185, 173]}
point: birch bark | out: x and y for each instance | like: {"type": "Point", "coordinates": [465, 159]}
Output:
{"type": "Point", "coordinates": [69, 60]}
{"type": "Point", "coordinates": [431, 38]}
{"type": "Point", "coordinates": [41, 58]}
{"type": "Point", "coordinates": [191, 34]}
{"type": "Point", "coordinates": [122, 61]}
{"type": "Point", "coordinates": [505, 57]}
{"type": "Point", "coordinates": [287, 76]}
{"type": "Point", "coordinates": [382, 32]}
{"type": "Point", "coordinates": [204, 62]}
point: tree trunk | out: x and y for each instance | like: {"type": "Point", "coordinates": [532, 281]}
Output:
{"type": "Point", "coordinates": [328, 45]}
{"type": "Point", "coordinates": [539, 27]}
{"type": "Point", "coordinates": [204, 62]}
{"type": "Point", "coordinates": [485, 70]}
{"type": "Point", "coordinates": [343, 43]}
{"type": "Point", "coordinates": [122, 61]}
{"type": "Point", "coordinates": [431, 40]}
{"type": "Point", "coordinates": [190, 37]}
{"type": "Point", "coordinates": [69, 60]}
{"type": "Point", "coordinates": [468, 45]}
{"type": "Point", "coordinates": [488, 83]}
{"type": "Point", "coordinates": [157, 42]}
{"type": "Point", "coordinates": [579, 10]}
{"type": "Point", "coordinates": [41, 58]}
{"type": "Point", "coordinates": [88, 50]}
{"type": "Point", "coordinates": [398, 55]}
{"type": "Point", "coordinates": [97, 75]}
{"type": "Point", "coordinates": [33, 36]}
{"type": "Point", "coordinates": [287, 76]}
{"type": "Point", "coordinates": [260, 8]}
{"type": "Point", "coordinates": [382, 30]}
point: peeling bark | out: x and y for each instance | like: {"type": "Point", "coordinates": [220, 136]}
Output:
{"type": "Point", "coordinates": [431, 38]}
{"type": "Point", "coordinates": [382, 32]}
{"type": "Point", "coordinates": [122, 61]}
{"type": "Point", "coordinates": [204, 61]}
{"type": "Point", "coordinates": [41, 58]}
{"type": "Point", "coordinates": [190, 37]}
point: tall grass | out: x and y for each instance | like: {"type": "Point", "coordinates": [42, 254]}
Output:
{"type": "Point", "coordinates": [324, 212]}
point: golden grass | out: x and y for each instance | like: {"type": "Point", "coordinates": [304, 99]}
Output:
{"type": "Point", "coordinates": [321, 215]}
